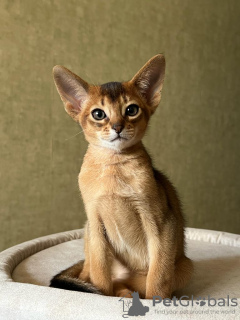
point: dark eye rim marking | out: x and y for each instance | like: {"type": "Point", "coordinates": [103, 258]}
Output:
{"type": "Point", "coordinates": [94, 115]}
{"type": "Point", "coordinates": [128, 113]}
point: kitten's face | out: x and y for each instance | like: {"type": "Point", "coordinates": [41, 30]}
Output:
{"type": "Point", "coordinates": [114, 116]}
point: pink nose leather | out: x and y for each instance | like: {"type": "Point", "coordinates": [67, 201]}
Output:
{"type": "Point", "coordinates": [117, 127]}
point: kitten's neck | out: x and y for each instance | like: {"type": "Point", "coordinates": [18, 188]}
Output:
{"type": "Point", "coordinates": [109, 156]}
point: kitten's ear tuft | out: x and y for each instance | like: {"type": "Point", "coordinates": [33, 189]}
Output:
{"type": "Point", "coordinates": [149, 80]}
{"type": "Point", "coordinates": [72, 90]}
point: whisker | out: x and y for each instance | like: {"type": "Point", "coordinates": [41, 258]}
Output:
{"type": "Point", "coordinates": [74, 135]}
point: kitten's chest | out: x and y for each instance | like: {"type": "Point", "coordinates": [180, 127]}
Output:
{"type": "Point", "coordinates": [124, 179]}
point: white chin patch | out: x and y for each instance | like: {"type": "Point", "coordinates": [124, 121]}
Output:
{"type": "Point", "coordinates": [117, 144]}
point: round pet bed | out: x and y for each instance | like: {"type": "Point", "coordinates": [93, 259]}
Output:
{"type": "Point", "coordinates": [26, 269]}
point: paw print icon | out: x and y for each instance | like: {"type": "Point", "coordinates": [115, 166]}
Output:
{"type": "Point", "coordinates": [201, 302]}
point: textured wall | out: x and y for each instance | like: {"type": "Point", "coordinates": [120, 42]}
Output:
{"type": "Point", "coordinates": [193, 137]}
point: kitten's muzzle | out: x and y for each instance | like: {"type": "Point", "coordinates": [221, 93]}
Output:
{"type": "Point", "coordinates": [119, 138]}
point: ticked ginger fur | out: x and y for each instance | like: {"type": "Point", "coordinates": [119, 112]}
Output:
{"type": "Point", "coordinates": [135, 223]}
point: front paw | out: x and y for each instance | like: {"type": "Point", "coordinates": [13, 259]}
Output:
{"type": "Point", "coordinates": [150, 295]}
{"type": "Point", "coordinates": [164, 293]}
{"type": "Point", "coordinates": [123, 293]}
{"type": "Point", "coordinates": [107, 291]}
{"type": "Point", "coordinates": [104, 286]}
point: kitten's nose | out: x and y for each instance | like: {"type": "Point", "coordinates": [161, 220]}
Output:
{"type": "Point", "coordinates": [117, 127]}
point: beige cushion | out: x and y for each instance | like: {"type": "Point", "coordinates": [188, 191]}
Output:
{"type": "Point", "coordinates": [26, 269]}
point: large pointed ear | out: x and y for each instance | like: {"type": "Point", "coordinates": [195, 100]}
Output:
{"type": "Point", "coordinates": [72, 90]}
{"type": "Point", "coordinates": [149, 80]}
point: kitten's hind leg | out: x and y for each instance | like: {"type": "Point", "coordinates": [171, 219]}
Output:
{"type": "Point", "coordinates": [183, 272]}
{"type": "Point", "coordinates": [70, 279]}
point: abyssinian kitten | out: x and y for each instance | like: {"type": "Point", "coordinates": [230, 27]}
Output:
{"type": "Point", "coordinates": [134, 235]}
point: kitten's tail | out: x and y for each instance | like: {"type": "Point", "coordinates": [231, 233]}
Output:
{"type": "Point", "coordinates": [68, 280]}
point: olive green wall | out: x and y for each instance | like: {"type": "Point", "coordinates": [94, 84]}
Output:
{"type": "Point", "coordinates": [193, 136]}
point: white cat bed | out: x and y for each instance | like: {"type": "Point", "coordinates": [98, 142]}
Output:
{"type": "Point", "coordinates": [26, 269]}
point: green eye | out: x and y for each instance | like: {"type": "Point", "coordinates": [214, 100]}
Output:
{"type": "Point", "coordinates": [132, 110]}
{"type": "Point", "coordinates": [98, 114]}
